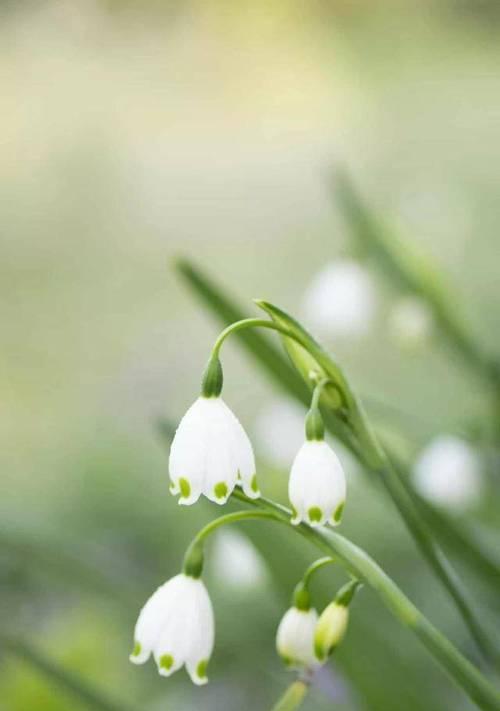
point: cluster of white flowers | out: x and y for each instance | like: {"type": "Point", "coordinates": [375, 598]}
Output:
{"type": "Point", "coordinates": [305, 640]}
{"type": "Point", "coordinates": [341, 302]}
{"type": "Point", "coordinates": [211, 454]}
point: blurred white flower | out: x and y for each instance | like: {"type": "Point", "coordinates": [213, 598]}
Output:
{"type": "Point", "coordinates": [330, 629]}
{"type": "Point", "coordinates": [279, 430]}
{"type": "Point", "coordinates": [210, 454]}
{"type": "Point", "coordinates": [295, 637]}
{"type": "Point", "coordinates": [410, 322]}
{"type": "Point", "coordinates": [448, 473]}
{"type": "Point", "coordinates": [341, 300]}
{"type": "Point", "coordinates": [236, 561]}
{"type": "Point", "coordinates": [177, 625]}
{"type": "Point", "coordinates": [317, 487]}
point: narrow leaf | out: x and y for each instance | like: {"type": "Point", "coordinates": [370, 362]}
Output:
{"type": "Point", "coordinates": [66, 680]}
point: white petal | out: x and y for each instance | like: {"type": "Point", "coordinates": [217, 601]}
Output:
{"type": "Point", "coordinates": [188, 453]}
{"type": "Point", "coordinates": [221, 466]}
{"type": "Point", "coordinates": [295, 637]}
{"type": "Point", "coordinates": [245, 461]}
{"type": "Point", "coordinates": [152, 618]}
{"type": "Point", "coordinates": [201, 639]}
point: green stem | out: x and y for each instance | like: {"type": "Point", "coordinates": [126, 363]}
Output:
{"type": "Point", "coordinates": [362, 566]}
{"type": "Point", "coordinates": [253, 323]}
{"type": "Point", "coordinates": [320, 563]}
{"type": "Point", "coordinates": [226, 519]}
{"type": "Point", "coordinates": [292, 698]}
{"type": "Point", "coordinates": [375, 458]}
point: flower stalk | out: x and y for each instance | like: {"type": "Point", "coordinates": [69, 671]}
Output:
{"type": "Point", "coordinates": [363, 567]}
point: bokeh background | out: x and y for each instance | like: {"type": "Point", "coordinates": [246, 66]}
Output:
{"type": "Point", "coordinates": [134, 133]}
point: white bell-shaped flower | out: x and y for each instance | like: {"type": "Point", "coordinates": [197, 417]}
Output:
{"type": "Point", "coordinates": [295, 637]}
{"type": "Point", "coordinates": [448, 473]}
{"type": "Point", "coordinates": [210, 454]}
{"type": "Point", "coordinates": [317, 487]}
{"type": "Point", "coordinates": [177, 625]}
{"type": "Point", "coordinates": [341, 300]}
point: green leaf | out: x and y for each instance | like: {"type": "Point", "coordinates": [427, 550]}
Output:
{"type": "Point", "coordinates": [348, 423]}
{"type": "Point", "coordinates": [275, 365]}
{"type": "Point", "coordinates": [411, 271]}
{"type": "Point", "coordinates": [62, 677]}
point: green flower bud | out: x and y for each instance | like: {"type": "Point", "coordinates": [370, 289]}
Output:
{"type": "Point", "coordinates": [330, 630]}
{"type": "Point", "coordinates": [332, 623]}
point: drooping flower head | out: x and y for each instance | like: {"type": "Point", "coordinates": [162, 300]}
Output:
{"type": "Point", "coordinates": [211, 452]}
{"type": "Point", "coordinates": [295, 635]}
{"type": "Point", "coordinates": [177, 625]}
{"type": "Point", "coordinates": [316, 487]}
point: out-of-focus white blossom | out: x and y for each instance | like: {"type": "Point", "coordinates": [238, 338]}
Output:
{"type": "Point", "coordinates": [410, 322]}
{"type": "Point", "coordinates": [317, 487]}
{"type": "Point", "coordinates": [177, 625]}
{"type": "Point", "coordinates": [295, 638]}
{"type": "Point", "coordinates": [236, 561]}
{"type": "Point", "coordinates": [448, 473]}
{"type": "Point", "coordinates": [279, 431]}
{"type": "Point", "coordinates": [210, 454]}
{"type": "Point", "coordinates": [341, 300]}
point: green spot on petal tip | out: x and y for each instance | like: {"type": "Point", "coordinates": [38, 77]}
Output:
{"type": "Point", "coordinates": [315, 514]}
{"type": "Point", "coordinates": [185, 487]}
{"type": "Point", "coordinates": [338, 512]}
{"type": "Point", "coordinates": [220, 490]}
{"type": "Point", "coordinates": [166, 661]}
{"type": "Point", "coordinates": [201, 669]}
{"type": "Point", "coordinates": [254, 486]}
{"type": "Point", "coordinates": [137, 649]}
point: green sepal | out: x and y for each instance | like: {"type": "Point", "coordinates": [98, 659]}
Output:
{"type": "Point", "coordinates": [301, 598]}
{"type": "Point", "coordinates": [346, 593]}
{"type": "Point", "coordinates": [193, 560]}
{"type": "Point", "coordinates": [315, 427]}
{"type": "Point", "coordinates": [211, 384]}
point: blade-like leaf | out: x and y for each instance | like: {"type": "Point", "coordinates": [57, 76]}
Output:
{"type": "Point", "coordinates": [223, 307]}
{"type": "Point", "coordinates": [373, 457]}
{"type": "Point", "coordinates": [277, 367]}
{"type": "Point", "coordinates": [411, 271]}
{"type": "Point", "coordinates": [62, 677]}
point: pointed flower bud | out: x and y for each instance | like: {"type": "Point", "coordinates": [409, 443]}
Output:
{"type": "Point", "coordinates": [332, 623]}
{"type": "Point", "coordinates": [177, 625]}
{"type": "Point", "coordinates": [210, 454]}
{"type": "Point", "coordinates": [295, 637]}
{"type": "Point", "coordinates": [317, 487]}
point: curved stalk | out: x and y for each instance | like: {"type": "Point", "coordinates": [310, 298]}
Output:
{"type": "Point", "coordinates": [253, 323]}
{"type": "Point", "coordinates": [320, 563]}
{"type": "Point", "coordinates": [362, 566]}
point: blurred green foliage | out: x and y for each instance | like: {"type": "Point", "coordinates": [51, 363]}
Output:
{"type": "Point", "coordinates": [131, 132]}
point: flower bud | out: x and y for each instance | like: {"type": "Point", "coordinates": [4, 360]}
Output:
{"type": "Point", "coordinates": [332, 623]}
{"type": "Point", "coordinates": [330, 630]}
